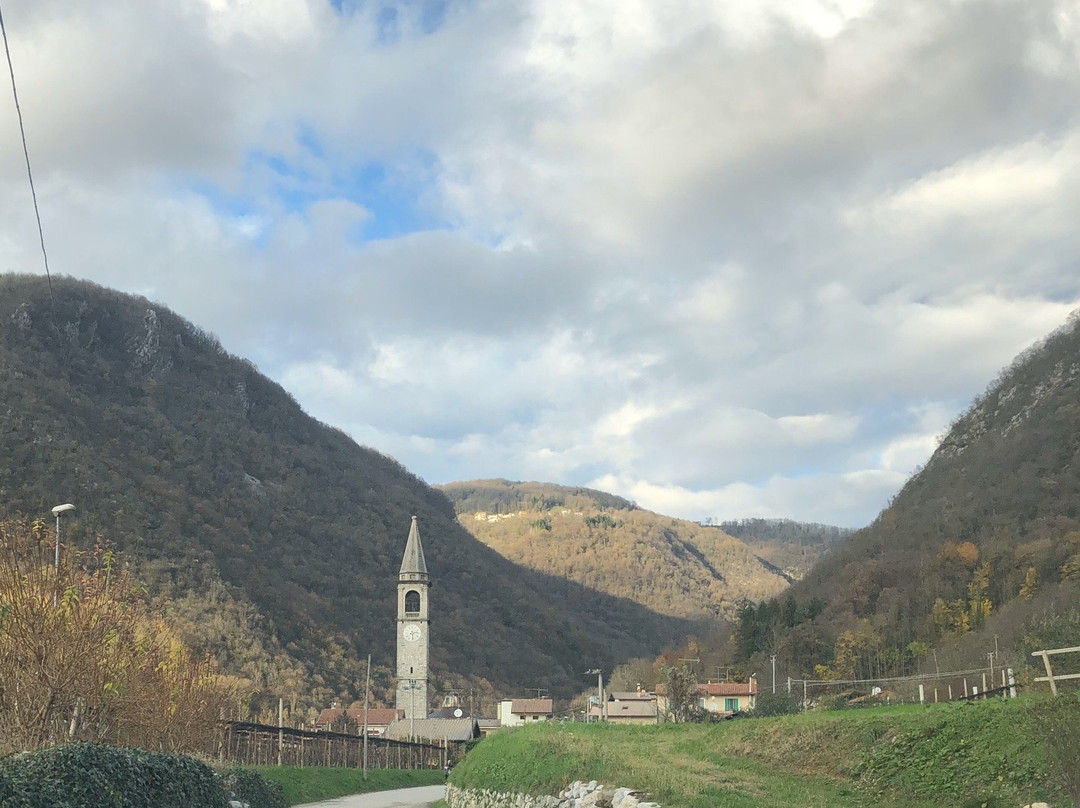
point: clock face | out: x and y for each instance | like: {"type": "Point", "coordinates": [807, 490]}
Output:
{"type": "Point", "coordinates": [412, 632]}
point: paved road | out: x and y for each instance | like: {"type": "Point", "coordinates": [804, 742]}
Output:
{"type": "Point", "coordinates": [398, 798]}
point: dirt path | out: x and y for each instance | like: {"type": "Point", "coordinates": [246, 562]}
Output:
{"type": "Point", "coordinates": [399, 798]}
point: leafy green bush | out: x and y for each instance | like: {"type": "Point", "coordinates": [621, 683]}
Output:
{"type": "Point", "coordinates": [251, 787]}
{"type": "Point", "coordinates": [93, 776]}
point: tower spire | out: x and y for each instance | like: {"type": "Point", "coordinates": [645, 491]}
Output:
{"type": "Point", "coordinates": [413, 565]}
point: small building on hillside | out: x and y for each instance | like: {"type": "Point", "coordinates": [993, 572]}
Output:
{"type": "Point", "coordinates": [516, 712]}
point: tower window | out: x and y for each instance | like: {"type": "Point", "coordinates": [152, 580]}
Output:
{"type": "Point", "coordinates": [412, 601]}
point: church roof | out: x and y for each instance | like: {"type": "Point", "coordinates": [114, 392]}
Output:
{"type": "Point", "coordinates": [413, 561]}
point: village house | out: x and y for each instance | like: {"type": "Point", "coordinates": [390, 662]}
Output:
{"type": "Point", "coordinates": [332, 719]}
{"type": "Point", "coordinates": [628, 707]}
{"type": "Point", "coordinates": [718, 698]}
{"type": "Point", "coordinates": [515, 712]}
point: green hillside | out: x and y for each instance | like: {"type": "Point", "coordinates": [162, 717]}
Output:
{"type": "Point", "coordinates": [604, 542]}
{"type": "Point", "coordinates": [993, 754]}
{"type": "Point", "coordinates": [273, 539]}
{"type": "Point", "coordinates": [981, 546]}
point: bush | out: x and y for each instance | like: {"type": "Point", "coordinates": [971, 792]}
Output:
{"type": "Point", "coordinates": [93, 776]}
{"type": "Point", "coordinates": [769, 704]}
{"type": "Point", "coordinates": [254, 789]}
{"type": "Point", "coordinates": [1057, 720]}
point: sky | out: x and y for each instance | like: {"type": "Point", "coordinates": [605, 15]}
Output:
{"type": "Point", "coordinates": [727, 259]}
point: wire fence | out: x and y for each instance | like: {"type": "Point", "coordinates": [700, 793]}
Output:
{"type": "Point", "coordinates": [975, 683]}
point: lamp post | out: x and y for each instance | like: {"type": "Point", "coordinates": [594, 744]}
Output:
{"type": "Point", "coordinates": [59, 509]}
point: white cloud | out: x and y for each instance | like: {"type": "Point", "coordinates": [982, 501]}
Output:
{"type": "Point", "coordinates": [728, 258]}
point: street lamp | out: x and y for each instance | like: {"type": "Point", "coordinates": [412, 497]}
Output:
{"type": "Point", "coordinates": [59, 509]}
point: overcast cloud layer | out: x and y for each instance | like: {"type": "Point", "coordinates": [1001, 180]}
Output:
{"type": "Point", "coordinates": [727, 259]}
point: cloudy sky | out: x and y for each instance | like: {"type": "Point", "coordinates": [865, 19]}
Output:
{"type": "Point", "coordinates": [725, 258]}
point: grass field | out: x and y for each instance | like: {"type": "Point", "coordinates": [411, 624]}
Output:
{"type": "Point", "coordinates": [315, 783]}
{"type": "Point", "coordinates": [955, 755]}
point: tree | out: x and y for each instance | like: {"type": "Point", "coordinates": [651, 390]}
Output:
{"type": "Point", "coordinates": [1031, 584]}
{"type": "Point", "coordinates": [682, 694]}
{"type": "Point", "coordinates": [81, 657]}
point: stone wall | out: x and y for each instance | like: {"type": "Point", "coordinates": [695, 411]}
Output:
{"type": "Point", "coordinates": [578, 795]}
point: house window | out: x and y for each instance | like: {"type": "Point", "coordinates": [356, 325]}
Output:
{"type": "Point", "coordinates": [731, 705]}
{"type": "Point", "coordinates": [412, 601]}
{"type": "Point", "coordinates": [701, 704]}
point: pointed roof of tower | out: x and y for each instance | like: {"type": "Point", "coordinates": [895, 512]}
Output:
{"type": "Point", "coordinates": [413, 561]}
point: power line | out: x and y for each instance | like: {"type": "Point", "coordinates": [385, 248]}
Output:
{"type": "Point", "coordinates": [26, 154]}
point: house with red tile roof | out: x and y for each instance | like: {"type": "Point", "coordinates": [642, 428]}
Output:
{"type": "Point", "coordinates": [378, 719]}
{"type": "Point", "coordinates": [719, 698]}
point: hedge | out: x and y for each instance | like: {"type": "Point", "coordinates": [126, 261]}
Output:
{"type": "Point", "coordinates": [86, 775]}
{"type": "Point", "coordinates": [254, 789]}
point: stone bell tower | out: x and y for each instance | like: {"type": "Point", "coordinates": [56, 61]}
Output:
{"type": "Point", "coordinates": [412, 629]}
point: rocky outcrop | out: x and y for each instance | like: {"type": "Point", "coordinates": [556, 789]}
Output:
{"type": "Point", "coordinates": [578, 795]}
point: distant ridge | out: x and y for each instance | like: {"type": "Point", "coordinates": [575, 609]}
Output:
{"type": "Point", "coordinates": [607, 543]}
{"type": "Point", "coordinates": [792, 547]}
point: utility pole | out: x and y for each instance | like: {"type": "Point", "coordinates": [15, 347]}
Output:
{"type": "Point", "coordinates": [599, 692]}
{"type": "Point", "coordinates": [367, 693]}
{"type": "Point", "coordinates": [772, 659]}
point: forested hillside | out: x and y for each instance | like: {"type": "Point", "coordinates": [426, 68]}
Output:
{"type": "Point", "coordinates": [983, 541]}
{"type": "Point", "coordinates": [604, 542]}
{"type": "Point", "coordinates": [792, 546]}
{"type": "Point", "coordinates": [275, 540]}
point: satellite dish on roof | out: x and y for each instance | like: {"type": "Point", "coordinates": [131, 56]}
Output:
{"type": "Point", "coordinates": [458, 713]}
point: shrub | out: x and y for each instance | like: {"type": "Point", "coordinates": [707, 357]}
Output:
{"type": "Point", "coordinates": [82, 658]}
{"type": "Point", "coordinates": [1058, 723]}
{"type": "Point", "coordinates": [92, 776]}
{"type": "Point", "coordinates": [769, 704]}
{"type": "Point", "coordinates": [254, 789]}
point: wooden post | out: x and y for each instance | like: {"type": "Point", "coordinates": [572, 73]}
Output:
{"type": "Point", "coordinates": [950, 691]}
{"type": "Point", "coordinates": [1049, 673]}
{"type": "Point", "coordinates": [280, 730]}
{"type": "Point", "coordinates": [965, 688]}
{"type": "Point", "coordinates": [922, 695]}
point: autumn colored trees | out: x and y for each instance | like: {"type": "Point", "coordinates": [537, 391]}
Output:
{"type": "Point", "coordinates": [82, 658]}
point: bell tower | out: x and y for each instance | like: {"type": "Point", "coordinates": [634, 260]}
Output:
{"type": "Point", "coordinates": [412, 629]}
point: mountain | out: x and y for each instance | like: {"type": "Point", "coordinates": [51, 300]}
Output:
{"type": "Point", "coordinates": [607, 543]}
{"type": "Point", "coordinates": [983, 541]}
{"type": "Point", "coordinates": [793, 547]}
{"type": "Point", "coordinates": [274, 540]}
